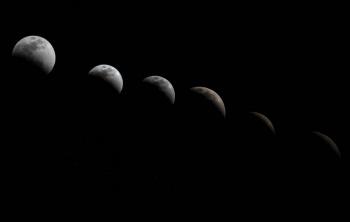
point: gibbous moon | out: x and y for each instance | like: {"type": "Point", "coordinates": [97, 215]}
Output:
{"type": "Point", "coordinates": [162, 85]}
{"type": "Point", "coordinates": [37, 51]}
{"type": "Point", "coordinates": [265, 120]}
{"type": "Point", "coordinates": [329, 142]}
{"type": "Point", "coordinates": [109, 74]}
{"type": "Point", "coordinates": [212, 97]}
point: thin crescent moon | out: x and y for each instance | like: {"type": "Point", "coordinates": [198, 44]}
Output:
{"type": "Point", "coordinates": [212, 96]}
{"type": "Point", "coordinates": [329, 141]}
{"type": "Point", "coordinates": [266, 120]}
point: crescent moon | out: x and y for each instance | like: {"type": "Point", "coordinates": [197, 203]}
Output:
{"type": "Point", "coordinates": [109, 74]}
{"type": "Point", "coordinates": [163, 85]}
{"type": "Point", "coordinates": [329, 141]}
{"type": "Point", "coordinates": [211, 96]}
{"type": "Point", "coordinates": [265, 120]}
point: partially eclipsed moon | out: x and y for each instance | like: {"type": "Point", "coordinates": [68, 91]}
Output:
{"type": "Point", "coordinates": [329, 141]}
{"type": "Point", "coordinates": [265, 120]}
{"type": "Point", "coordinates": [163, 85]}
{"type": "Point", "coordinates": [212, 97]}
{"type": "Point", "coordinates": [37, 51]}
{"type": "Point", "coordinates": [109, 74]}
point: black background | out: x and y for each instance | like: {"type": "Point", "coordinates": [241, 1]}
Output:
{"type": "Point", "coordinates": [68, 138]}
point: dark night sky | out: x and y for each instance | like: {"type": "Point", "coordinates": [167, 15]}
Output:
{"type": "Point", "coordinates": [285, 61]}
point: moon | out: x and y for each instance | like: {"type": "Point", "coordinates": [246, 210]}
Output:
{"type": "Point", "coordinates": [37, 51]}
{"type": "Point", "coordinates": [162, 85]}
{"type": "Point", "coordinates": [109, 74]}
{"type": "Point", "coordinates": [329, 142]}
{"type": "Point", "coordinates": [265, 120]}
{"type": "Point", "coordinates": [212, 97]}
